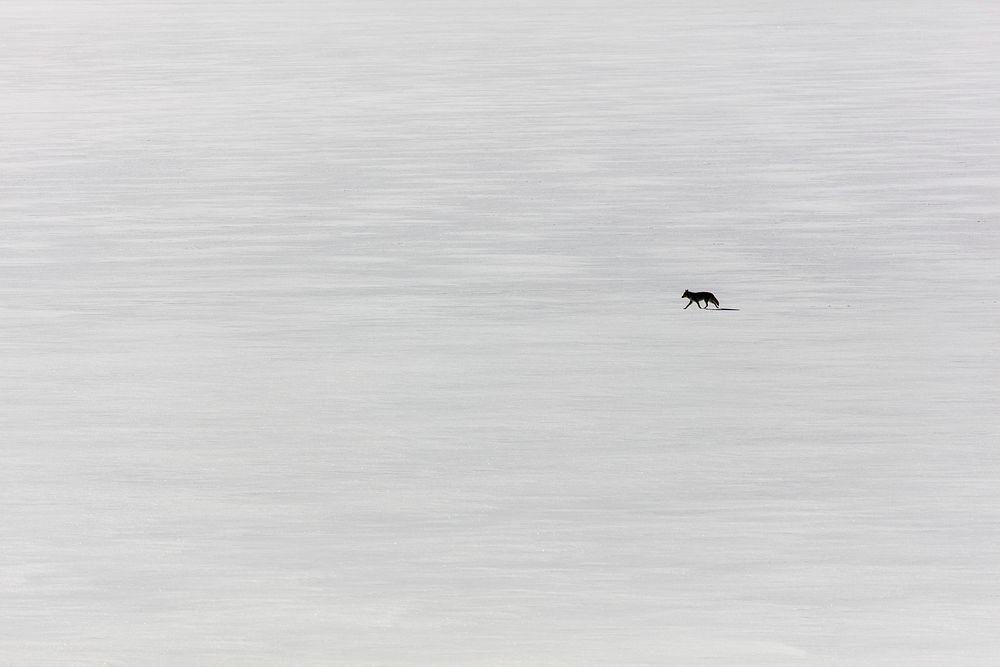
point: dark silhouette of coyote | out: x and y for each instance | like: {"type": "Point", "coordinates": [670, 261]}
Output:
{"type": "Point", "coordinates": [696, 297]}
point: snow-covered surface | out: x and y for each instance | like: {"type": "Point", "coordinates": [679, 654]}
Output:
{"type": "Point", "coordinates": [350, 333]}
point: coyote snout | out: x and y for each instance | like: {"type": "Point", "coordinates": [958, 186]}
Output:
{"type": "Point", "coordinates": [697, 297]}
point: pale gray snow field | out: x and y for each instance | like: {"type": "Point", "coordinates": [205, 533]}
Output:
{"type": "Point", "coordinates": [350, 333]}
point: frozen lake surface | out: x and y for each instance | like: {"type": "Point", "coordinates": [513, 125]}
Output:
{"type": "Point", "coordinates": [350, 333]}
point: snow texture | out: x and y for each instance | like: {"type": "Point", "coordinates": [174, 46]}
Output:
{"type": "Point", "coordinates": [350, 333]}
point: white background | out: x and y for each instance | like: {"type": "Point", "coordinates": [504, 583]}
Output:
{"type": "Point", "coordinates": [350, 333]}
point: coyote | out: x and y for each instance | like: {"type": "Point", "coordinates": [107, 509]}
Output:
{"type": "Point", "coordinates": [696, 297]}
